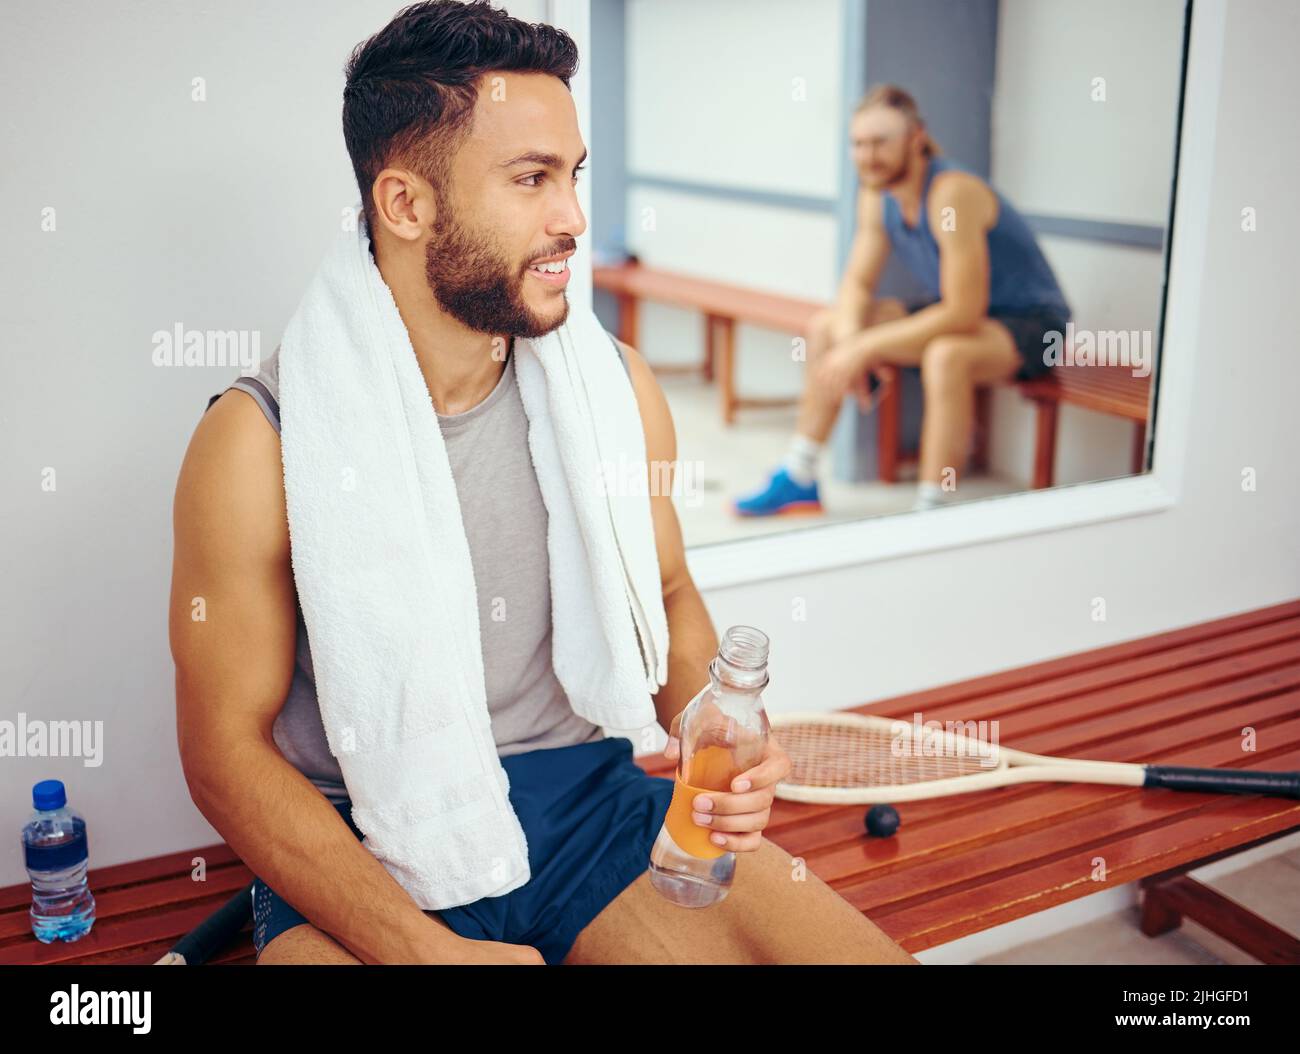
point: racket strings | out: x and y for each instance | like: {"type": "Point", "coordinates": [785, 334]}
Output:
{"type": "Point", "coordinates": [823, 755]}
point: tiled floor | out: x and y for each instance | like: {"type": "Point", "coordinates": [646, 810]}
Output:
{"type": "Point", "coordinates": [725, 462]}
{"type": "Point", "coordinates": [1270, 888]}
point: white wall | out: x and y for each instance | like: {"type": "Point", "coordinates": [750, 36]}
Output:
{"type": "Point", "coordinates": [1060, 150]}
{"type": "Point", "coordinates": [743, 93]}
{"type": "Point", "coordinates": [761, 83]}
{"type": "Point", "coordinates": [1056, 149]}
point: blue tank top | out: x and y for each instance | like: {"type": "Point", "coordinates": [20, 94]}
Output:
{"type": "Point", "coordinates": [1020, 278]}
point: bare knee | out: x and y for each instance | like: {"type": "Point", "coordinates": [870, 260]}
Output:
{"type": "Point", "coordinates": [943, 363]}
{"type": "Point", "coordinates": [305, 945]}
{"type": "Point", "coordinates": [785, 913]}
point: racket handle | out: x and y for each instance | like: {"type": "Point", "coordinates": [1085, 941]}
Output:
{"type": "Point", "coordinates": [216, 931]}
{"type": "Point", "coordinates": [1223, 781]}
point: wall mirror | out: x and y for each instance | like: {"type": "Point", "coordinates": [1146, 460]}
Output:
{"type": "Point", "coordinates": [890, 256]}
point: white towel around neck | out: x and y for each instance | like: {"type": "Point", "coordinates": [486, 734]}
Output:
{"type": "Point", "coordinates": [384, 578]}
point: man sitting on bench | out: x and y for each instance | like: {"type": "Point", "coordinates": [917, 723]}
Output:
{"type": "Point", "coordinates": [992, 297]}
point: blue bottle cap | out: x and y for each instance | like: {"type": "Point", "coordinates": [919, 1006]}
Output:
{"type": "Point", "coordinates": [49, 794]}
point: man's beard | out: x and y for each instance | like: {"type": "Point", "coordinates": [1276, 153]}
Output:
{"type": "Point", "coordinates": [477, 286]}
{"type": "Point", "coordinates": [893, 177]}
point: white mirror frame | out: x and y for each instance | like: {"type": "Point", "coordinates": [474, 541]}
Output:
{"type": "Point", "coordinates": [812, 549]}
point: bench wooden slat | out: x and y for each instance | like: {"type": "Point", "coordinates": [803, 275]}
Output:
{"type": "Point", "coordinates": [969, 865]}
{"type": "Point", "coordinates": [1128, 394]}
{"type": "Point", "coordinates": [836, 849]}
{"type": "Point", "coordinates": [1024, 891]}
{"type": "Point", "coordinates": [159, 895]}
{"type": "Point", "coordinates": [774, 310]}
{"type": "Point", "coordinates": [1037, 822]}
{"type": "Point", "coordinates": [1119, 702]}
{"type": "Point", "coordinates": [1143, 740]}
{"type": "Point", "coordinates": [1094, 734]}
{"type": "Point", "coordinates": [115, 939]}
{"type": "Point", "coordinates": [1116, 681]}
{"type": "Point", "coordinates": [936, 833]}
{"type": "Point", "coordinates": [1003, 681]}
{"type": "Point", "coordinates": [153, 869]}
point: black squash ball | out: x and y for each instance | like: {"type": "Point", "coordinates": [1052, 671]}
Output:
{"type": "Point", "coordinates": [881, 821]}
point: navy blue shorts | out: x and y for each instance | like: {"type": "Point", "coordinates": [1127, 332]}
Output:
{"type": "Point", "coordinates": [591, 816]}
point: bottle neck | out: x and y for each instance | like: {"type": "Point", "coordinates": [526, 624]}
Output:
{"type": "Point", "coordinates": [737, 680]}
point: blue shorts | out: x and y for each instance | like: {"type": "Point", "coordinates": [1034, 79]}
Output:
{"type": "Point", "coordinates": [591, 816]}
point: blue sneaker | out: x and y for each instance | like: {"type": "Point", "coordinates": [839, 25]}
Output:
{"type": "Point", "coordinates": [780, 496]}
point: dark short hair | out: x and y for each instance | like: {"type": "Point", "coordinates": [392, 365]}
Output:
{"type": "Point", "coordinates": [411, 88]}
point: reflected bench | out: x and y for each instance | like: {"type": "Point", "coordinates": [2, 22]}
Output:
{"type": "Point", "coordinates": [722, 307]}
{"type": "Point", "coordinates": [1111, 390]}
{"type": "Point", "coordinates": [1114, 391]}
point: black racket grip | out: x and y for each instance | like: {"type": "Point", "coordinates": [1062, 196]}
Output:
{"type": "Point", "coordinates": [1223, 781]}
{"type": "Point", "coordinates": [217, 930]}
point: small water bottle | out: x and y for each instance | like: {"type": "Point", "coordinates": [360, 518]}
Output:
{"type": "Point", "coordinates": [723, 732]}
{"type": "Point", "coordinates": [54, 843]}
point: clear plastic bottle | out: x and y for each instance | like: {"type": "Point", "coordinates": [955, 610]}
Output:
{"type": "Point", "coordinates": [723, 732]}
{"type": "Point", "coordinates": [57, 852]}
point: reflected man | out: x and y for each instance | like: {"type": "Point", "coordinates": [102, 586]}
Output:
{"type": "Point", "coordinates": [991, 299]}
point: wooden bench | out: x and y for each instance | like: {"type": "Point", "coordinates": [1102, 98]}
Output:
{"type": "Point", "coordinates": [1110, 390]}
{"type": "Point", "coordinates": [1104, 389]}
{"type": "Point", "coordinates": [722, 306]}
{"type": "Point", "coordinates": [958, 865]}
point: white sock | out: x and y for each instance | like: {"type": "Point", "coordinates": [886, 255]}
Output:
{"type": "Point", "coordinates": [800, 460]}
{"type": "Point", "coordinates": [928, 495]}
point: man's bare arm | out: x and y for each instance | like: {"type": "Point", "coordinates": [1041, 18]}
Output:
{"type": "Point", "coordinates": [867, 256]}
{"type": "Point", "coordinates": [693, 642]}
{"type": "Point", "coordinates": [233, 670]}
{"type": "Point", "coordinates": [961, 210]}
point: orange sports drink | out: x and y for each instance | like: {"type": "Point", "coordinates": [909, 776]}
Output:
{"type": "Point", "coordinates": [723, 732]}
{"type": "Point", "coordinates": [710, 769]}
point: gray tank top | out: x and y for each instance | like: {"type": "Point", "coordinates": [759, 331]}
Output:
{"type": "Point", "coordinates": [505, 523]}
